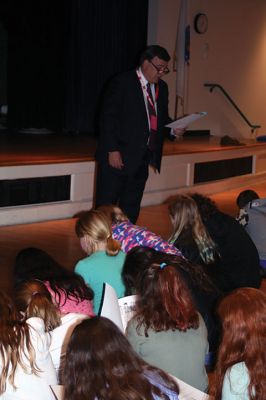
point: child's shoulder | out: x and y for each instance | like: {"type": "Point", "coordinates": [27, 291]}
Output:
{"type": "Point", "coordinates": [36, 323]}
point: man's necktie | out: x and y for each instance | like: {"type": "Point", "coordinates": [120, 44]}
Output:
{"type": "Point", "coordinates": [153, 121]}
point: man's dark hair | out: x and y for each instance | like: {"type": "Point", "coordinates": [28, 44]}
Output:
{"type": "Point", "coordinates": [154, 51]}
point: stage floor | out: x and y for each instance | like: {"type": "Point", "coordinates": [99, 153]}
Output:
{"type": "Point", "coordinates": [36, 149]}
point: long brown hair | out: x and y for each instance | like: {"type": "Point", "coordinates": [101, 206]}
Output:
{"type": "Point", "coordinates": [100, 363]}
{"type": "Point", "coordinates": [15, 343]}
{"type": "Point", "coordinates": [140, 257]}
{"type": "Point", "coordinates": [34, 263]}
{"type": "Point", "coordinates": [185, 216]}
{"type": "Point", "coordinates": [243, 316]}
{"type": "Point", "coordinates": [164, 301]}
{"type": "Point", "coordinates": [34, 300]}
{"type": "Point", "coordinates": [94, 227]}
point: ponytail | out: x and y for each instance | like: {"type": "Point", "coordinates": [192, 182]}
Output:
{"type": "Point", "coordinates": [112, 246]}
{"type": "Point", "coordinates": [34, 300]}
{"type": "Point", "coordinates": [42, 307]}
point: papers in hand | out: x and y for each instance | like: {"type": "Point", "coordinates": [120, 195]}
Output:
{"type": "Point", "coordinates": [120, 311]}
{"type": "Point", "coordinates": [185, 121]}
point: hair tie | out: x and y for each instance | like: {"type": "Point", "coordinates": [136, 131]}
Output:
{"type": "Point", "coordinates": [34, 293]}
{"type": "Point", "coordinates": [163, 265]}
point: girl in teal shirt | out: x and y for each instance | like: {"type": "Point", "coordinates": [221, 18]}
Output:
{"type": "Point", "coordinates": [105, 260]}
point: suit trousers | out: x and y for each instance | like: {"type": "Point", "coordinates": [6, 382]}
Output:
{"type": "Point", "coordinates": [126, 191]}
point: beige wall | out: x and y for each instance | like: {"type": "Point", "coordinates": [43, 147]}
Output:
{"type": "Point", "coordinates": [232, 53]}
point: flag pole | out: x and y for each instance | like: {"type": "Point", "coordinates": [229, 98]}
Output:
{"type": "Point", "coordinates": [182, 55]}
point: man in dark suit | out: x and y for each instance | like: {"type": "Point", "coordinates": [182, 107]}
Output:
{"type": "Point", "coordinates": [132, 129]}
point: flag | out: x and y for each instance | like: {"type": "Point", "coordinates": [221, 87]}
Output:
{"type": "Point", "coordinates": [182, 53]}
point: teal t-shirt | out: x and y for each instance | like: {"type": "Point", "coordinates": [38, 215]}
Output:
{"type": "Point", "coordinates": [99, 268]}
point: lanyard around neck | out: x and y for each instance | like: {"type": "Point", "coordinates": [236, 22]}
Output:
{"type": "Point", "coordinates": [144, 88]}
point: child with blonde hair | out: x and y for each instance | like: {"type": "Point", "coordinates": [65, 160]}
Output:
{"type": "Point", "coordinates": [189, 233]}
{"type": "Point", "coordinates": [104, 259]}
{"type": "Point", "coordinates": [238, 261]}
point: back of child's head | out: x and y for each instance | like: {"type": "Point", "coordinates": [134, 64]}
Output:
{"type": "Point", "coordinates": [94, 229]}
{"type": "Point", "coordinates": [183, 212]}
{"type": "Point", "coordinates": [114, 214]}
{"type": "Point", "coordinates": [243, 310]}
{"type": "Point", "coordinates": [136, 260]}
{"type": "Point", "coordinates": [100, 363]}
{"type": "Point", "coordinates": [100, 338]}
{"type": "Point", "coordinates": [98, 356]}
{"type": "Point", "coordinates": [242, 313]}
{"type": "Point", "coordinates": [245, 197]}
{"type": "Point", "coordinates": [206, 206]}
{"type": "Point", "coordinates": [34, 300]}
{"type": "Point", "coordinates": [186, 217]}
{"type": "Point", "coordinates": [139, 258]}
{"type": "Point", "coordinates": [164, 300]}
{"type": "Point", "coordinates": [33, 263]}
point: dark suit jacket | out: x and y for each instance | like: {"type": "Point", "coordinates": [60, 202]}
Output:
{"type": "Point", "coordinates": [124, 123]}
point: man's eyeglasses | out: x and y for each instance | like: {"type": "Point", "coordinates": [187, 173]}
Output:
{"type": "Point", "coordinates": [160, 69]}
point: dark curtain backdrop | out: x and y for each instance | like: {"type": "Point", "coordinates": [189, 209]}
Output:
{"type": "Point", "coordinates": [35, 63]}
{"type": "Point", "coordinates": [104, 38]}
{"type": "Point", "coordinates": [62, 53]}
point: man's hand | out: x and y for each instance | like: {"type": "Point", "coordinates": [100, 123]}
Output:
{"type": "Point", "coordinates": [179, 131]}
{"type": "Point", "coordinates": [115, 159]}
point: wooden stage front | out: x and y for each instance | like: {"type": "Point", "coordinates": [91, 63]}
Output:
{"type": "Point", "coordinates": [35, 149]}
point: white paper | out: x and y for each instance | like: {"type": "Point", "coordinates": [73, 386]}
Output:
{"type": "Point", "coordinates": [58, 391]}
{"type": "Point", "coordinates": [120, 311]}
{"type": "Point", "coordinates": [110, 307]}
{"type": "Point", "coordinates": [185, 121]}
{"type": "Point", "coordinates": [127, 307]}
{"type": "Point", "coordinates": [188, 392]}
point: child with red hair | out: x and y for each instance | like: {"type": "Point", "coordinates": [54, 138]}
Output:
{"type": "Point", "coordinates": [242, 357]}
{"type": "Point", "coordinates": [167, 331]}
